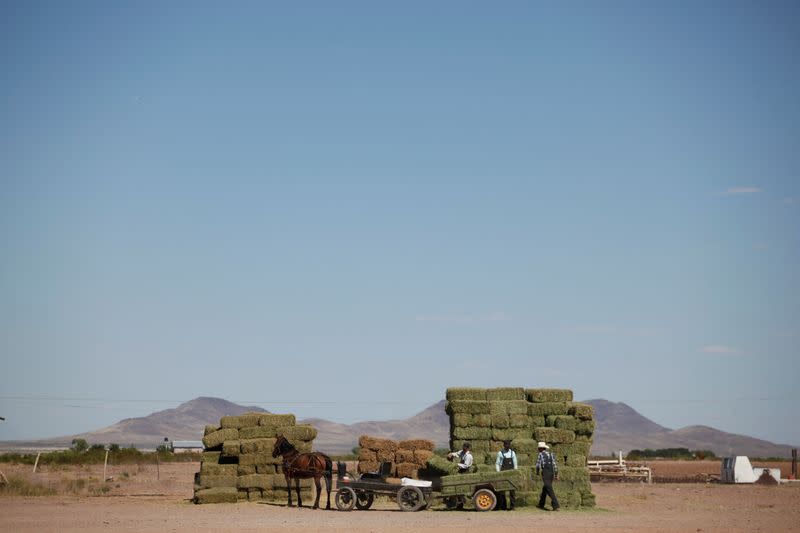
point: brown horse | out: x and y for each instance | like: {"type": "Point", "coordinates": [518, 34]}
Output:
{"type": "Point", "coordinates": [303, 466]}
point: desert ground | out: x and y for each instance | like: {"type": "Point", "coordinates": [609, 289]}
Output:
{"type": "Point", "coordinates": [141, 499]}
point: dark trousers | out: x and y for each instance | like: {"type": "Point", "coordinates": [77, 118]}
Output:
{"type": "Point", "coordinates": [547, 490]}
{"type": "Point", "coordinates": [507, 503]}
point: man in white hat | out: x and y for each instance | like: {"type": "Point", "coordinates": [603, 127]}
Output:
{"type": "Point", "coordinates": [546, 464]}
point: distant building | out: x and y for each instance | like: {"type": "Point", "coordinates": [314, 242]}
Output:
{"type": "Point", "coordinates": [185, 446]}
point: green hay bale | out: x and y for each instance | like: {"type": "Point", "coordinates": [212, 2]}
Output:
{"type": "Point", "coordinates": [554, 435]}
{"type": "Point", "coordinates": [438, 466]}
{"type": "Point", "coordinates": [575, 460]}
{"type": "Point", "coordinates": [421, 456]}
{"type": "Point", "coordinates": [246, 470]}
{"type": "Point", "coordinates": [472, 433]}
{"type": "Point", "coordinates": [579, 437]}
{"type": "Point", "coordinates": [258, 459]}
{"type": "Point", "coordinates": [245, 420]}
{"type": "Point", "coordinates": [573, 473]}
{"type": "Point", "coordinates": [416, 444]}
{"type": "Point", "coordinates": [218, 470]}
{"type": "Point", "coordinates": [482, 420]}
{"type": "Point", "coordinates": [365, 454]}
{"type": "Point", "coordinates": [215, 439]}
{"type": "Point", "coordinates": [404, 456]}
{"type": "Point", "coordinates": [574, 448]}
{"type": "Point", "coordinates": [465, 393]}
{"type": "Point", "coordinates": [588, 500]}
{"type": "Point", "coordinates": [548, 408]}
{"type": "Point", "coordinates": [499, 434]}
{"type": "Point", "coordinates": [374, 443]}
{"type": "Point", "coordinates": [407, 469]}
{"type": "Point", "coordinates": [524, 459]}
{"type": "Point", "coordinates": [500, 421]}
{"type": "Point", "coordinates": [230, 448]}
{"type": "Point", "coordinates": [216, 495]}
{"type": "Point", "coordinates": [277, 421]}
{"type": "Point", "coordinates": [304, 432]}
{"type": "Point", "coordinates": [585, 427]}
{"type": "Point", "coordinates": [527, 498]}
{"type": "Point", "coordinates": [259, 432]}
{"type": "Point", "coordinates": [564, 422]}
{"type": "Point", "coordinates": [536, 421]}
{"type": "Point", "coordinates": [517, 407]}
{"type": "Point", "coordinates": [524, 445]}
{"type": "Point", "coordinates": [473, 407]}
{"type": "Point", "coordinates": [462, 420]}
{"type": "Point", "coordinates": [255, 481]}
{"type": "Point", "coordinates": [514, 475]}
{"type": "Point", "coordinates": [484, 468]}
{"type": "Point", "coordinates": [210, 429]}
{"type": "Point", "coordinates": [210, 457]}
{"type": "Point", "coordinates": [548, 395]}
{"type": "Point", "coordinates": [505, 393]}
{"type": "Point", "coordinates": [257, 445]}
{"type": "Point", "coordinates": [209, 481]}
{"type": "Point", "coordinates": [581, 411]}
{"type": "Point", "coordinates": [477, 445]}
{"type": "Point", "coordinates": [498, 408]}
{"type": "Point", "coordinates": [519, 421]}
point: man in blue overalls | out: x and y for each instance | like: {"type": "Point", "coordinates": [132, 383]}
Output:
{"type": "Point", "coordinates": [546, 464]}
{"type": "Point", "coordinates": [506, 460]}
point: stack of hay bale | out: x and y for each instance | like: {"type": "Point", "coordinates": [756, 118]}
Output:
{"type": "Point", "coordinates": [406, 456]}
{"type": "Point", "coordinates": [487, 417]}
{"type": "Point", "coordinates": [237, 462]}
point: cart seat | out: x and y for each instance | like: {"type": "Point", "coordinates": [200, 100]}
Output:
{"type": "Point", "coordinates": [382, 474]}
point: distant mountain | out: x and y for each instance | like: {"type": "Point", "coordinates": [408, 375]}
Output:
{"type": "Point", "coordinates": [619, 427]}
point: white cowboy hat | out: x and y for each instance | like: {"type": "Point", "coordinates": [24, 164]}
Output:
{"type": "Point", "coordinates": [542, 445]}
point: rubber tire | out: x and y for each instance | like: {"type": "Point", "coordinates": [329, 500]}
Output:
{"type": "Point", "coordinates": [484, 500]}
{"type": "Point", "coordinates": [366, 497]}
{"type": "Point", "coordinates": [345, 499]}
{"type": "Point", "coordinates": [410, 498]}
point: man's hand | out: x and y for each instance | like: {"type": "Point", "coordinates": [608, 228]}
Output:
{"type": "Point", "coordinates": [556, 478]}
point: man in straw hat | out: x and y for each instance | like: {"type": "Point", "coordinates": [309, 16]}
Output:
{"type": "Point", "coordinates": [546, 464]}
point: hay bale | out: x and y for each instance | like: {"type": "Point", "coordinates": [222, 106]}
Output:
{"type": "Point", "coordinates": [277, 421]}
{"type": "Point", "coordinates": [500, 435]}
{"type": "Point", "coordinates": [554, 435]}
{"type": "Point", "coordinates": [587, 500]}
{"type": "Point", "coordinates": [514, 475]}
{"type": "Point", "coordinates": [209, 481]}
{"type": "Point", "coordinates": [574, 448]}
{"type": "Point", "coordinates": [215, 439]}
{"type": "Point", "coordinates": [242, 494]}
{"type": "Point", "coordinates": [302, 446]}
{"type": "Point", "coordinates": [500, 421]}
{"type": "Point", "coordinates": [374, 443]}
{"type": "Point", "coordinates": [547, 408]}
{"type": "Point", "coordinates": [304, 432]}
{"type": "Point", "coordinates": [259, 432]}
{"type": "Point", "coordinates": [367, 466]}
{"type": "Point", "coordinates": [404, 456]}
{"type": "Point", "coordinates": [245, 420]}
{"type": "Point", "coordinates": [527, 498]}
{"type": "Point", "coordinates": [407, 469]}
{"type": "Point", "coordinates": [258, 459]}
{"type": "Point", "coordinates": [505, 393]}
{"type": "Point", "coordinates": [210, 429]}
{"type": "Point", "coordinates": [416, 444]}
{"type": "Point", "coordinates": [473, 407]}
{"type": "Point", "coordinates": [365, 454]}
{"type": "Point", "coordinates": [585, 427]}
{"type": "Point", "coordinates": [246, 470]}
{"type": "Point", "coordinates": [257, 445]}
{"type": "Point", "coordinates": [421, 456]}
{"type": "Point", "coordinates": [482, 420]}
{"type": "Point", "coordinates": [462, 420]}
{"type": "Point", "coordinates": [573, 473]}
{"type": "Point", "coordinates": [216, 495]}
{"type": "Point", "coordinates": [438, 466]}
{"type": "Point", "coordinates": [230, 448]}
{"type": "Point", "coordinates": [267, 469]}
{"type": "Point", "coordinates": [563, 422]}
{"type": "Point", "coordinates": [254, 481]}
{"type": "Point", "coordinates": [385, 455]}
{"type": "Point", "coordinates": [548, 395]}
{"type": "Point", "coordinates": [575, 460]}
{"type": "Point", "coordinates": [211, 469]}
{"type": "Point", "coordinates": [583, 438]}
{"type": "Point", "coordinates": [524, 445]}
{"type": "Point", "coordinates": [210, 457]}
{"type": "Point", "coordinates": [581, 411]}
{"type": "Point", "coordinates": [519, 421]}
{"type": "Point", "coordinates": [465, 393]}
{"type": "Point", "coordinates": [472, 433]}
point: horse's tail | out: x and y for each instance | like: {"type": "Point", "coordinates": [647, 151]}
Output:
{"type": "Point", "coordinates": [328, 470]}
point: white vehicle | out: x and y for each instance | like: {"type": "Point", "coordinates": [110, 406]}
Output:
{"type": "Point", "coordinates": [739, 470]}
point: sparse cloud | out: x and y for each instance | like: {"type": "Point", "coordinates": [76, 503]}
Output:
{"type": "Point", "coordinates": [742, 190]}
{"type": "Point", "coordinates": [497, 316]}
{"type": "Point", "coordinates": [719, 349]}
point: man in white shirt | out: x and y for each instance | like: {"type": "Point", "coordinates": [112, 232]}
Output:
{"type": "Point", "coordinates": [464, 458]}
{"type": "Point", "coordinates": [506, 460]}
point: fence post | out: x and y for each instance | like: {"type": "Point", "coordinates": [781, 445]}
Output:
{"type": "Point", "coordinates": [36, 463]}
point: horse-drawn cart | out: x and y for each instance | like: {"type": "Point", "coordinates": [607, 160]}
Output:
{"type": "Point", "coordinates": [413, 495]}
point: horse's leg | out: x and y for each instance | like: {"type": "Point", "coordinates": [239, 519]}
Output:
{"type": "Point", "coordinates": [319, 488]}
{"type": "Point", "coordinates": [297, 486]}
{"type": "Point", "coordinates": [328, 480]}
{"type": "Point", "coordinates": [288, 487]}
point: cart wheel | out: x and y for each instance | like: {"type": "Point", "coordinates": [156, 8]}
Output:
{"type": "Point", "coordinates": [364, 500]}
{"type": "Point", "coordinates": [410, 498]}
{"type": "Point", "coordinates": [484, 500]}
{"type": "Point", "coordinates": [345, 499]}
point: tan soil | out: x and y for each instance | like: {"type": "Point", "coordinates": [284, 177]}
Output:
{"type": "Point", "coordinates": [144, 504]}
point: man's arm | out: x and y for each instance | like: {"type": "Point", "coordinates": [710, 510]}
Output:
{"type": "Point", "coordinates": [538, 463]}
{"type": "Point", "coordinates": [514, 457]}
{"type": "Point", "coordinates": [499, 461]}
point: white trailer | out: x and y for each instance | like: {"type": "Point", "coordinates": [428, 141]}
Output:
{"type": "Point", "coordinates": [737, 469]}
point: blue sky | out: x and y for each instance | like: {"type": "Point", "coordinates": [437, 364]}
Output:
{"type": "Point", "coordinates": [340, 210]}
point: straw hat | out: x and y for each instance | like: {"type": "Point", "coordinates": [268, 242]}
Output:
{"type": "Point", "coordinates": [542, 445]}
